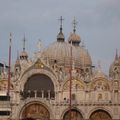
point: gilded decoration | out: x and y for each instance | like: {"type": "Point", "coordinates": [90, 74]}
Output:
{"type": "Point", "coordinates": [100, 115]}
{"type": "Point", "coordinates": [4, 85]}
{"type": "Point", "coordinates": [36, 111]}
{"type": "Point", "coordinates": [39, 64]}
{"type": "Point", "coordinates": [100, 85]}
{"type": "Point", "coordinates": [76, 85]}
{"type": "Point", "coordinates": [75, 115]}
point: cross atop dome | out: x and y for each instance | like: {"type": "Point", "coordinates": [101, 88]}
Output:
{"type": "Point", "coordinates": [61, 22]}
{"type": "Point", "coordinates": [60, 36]}
{"type": "Point", "coordinates": [73, 37]}
{"type": "Point", "coordinates": [74, 25]}
{"type": "Point", "coordinates": [23, 54]}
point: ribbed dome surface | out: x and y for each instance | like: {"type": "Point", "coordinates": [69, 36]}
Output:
{"type": "Point", "coordinates": [60, 37]}
{"type": "Point", "coordinates": [84, 56]}
{"type": "Point", "coordinates": [61, 52]}
{"type": "Point", "coordinates": [74, 37]}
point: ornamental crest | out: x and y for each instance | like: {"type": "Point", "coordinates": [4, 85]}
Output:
{"type": "Point", "coordinates": [39, 64]}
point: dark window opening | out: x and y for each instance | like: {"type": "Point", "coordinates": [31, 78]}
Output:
{"type": "Point", "coordinates": [38, 85]}
{"type": "Point", "coordinates": [4, 98]}
{"type": "Point", "coordinates": [4, 113]}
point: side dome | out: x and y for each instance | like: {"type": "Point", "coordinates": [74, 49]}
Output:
{"type": "Point", "coordinates": [85, 57]}
{"type": "Point", "coordinates": [82, 53]}
{"type": "Point", "coordinates": [60, 36]}
{"type": "Point", "coordinates": [23, 55]}
{"type": "Point", "coordinates": [74, 39]}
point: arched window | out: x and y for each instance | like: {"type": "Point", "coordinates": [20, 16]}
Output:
{"type": "Point", "coordinates": [39, 84]}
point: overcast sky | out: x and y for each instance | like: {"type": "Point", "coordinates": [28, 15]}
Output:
{"type": "Point", "coordinates": [98, 25]}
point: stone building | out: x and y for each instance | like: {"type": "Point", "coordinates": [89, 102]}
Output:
{"type": "Point", "coordinates": [61, 83]}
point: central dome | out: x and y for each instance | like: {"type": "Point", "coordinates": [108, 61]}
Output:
{"type": "Point", "coordinates": [60, 52]}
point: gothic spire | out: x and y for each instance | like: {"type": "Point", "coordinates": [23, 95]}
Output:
{"type": "Point", "coordinates": [24, 40]}
{"type": "Point", "coordinates": [116, 56]}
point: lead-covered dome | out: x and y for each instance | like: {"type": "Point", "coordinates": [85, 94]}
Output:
{"type": "Point", "coordinates": [60, 52]}
{"type": "Point", "coordinates": [74, 38]}
{"type": "Point", "coordinates": [23, 55]}
{"type": "Point", "coordinates": [84, 56]}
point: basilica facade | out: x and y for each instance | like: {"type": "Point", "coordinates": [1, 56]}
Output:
{"type": "Point", "coordinates": [60, 83]}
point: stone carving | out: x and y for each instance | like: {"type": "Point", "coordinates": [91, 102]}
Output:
{"type": "Point", "coordinates": [38, 64]}
{"type": "Point", "coordinates": [116, 73]}
{"type": "Point", "coordinates": [3, 85]}
{"type": "Point", "coordinates": [61, 74]}
{"type": "Point", "coordinates": [100, 85]}
{"type": "Point", "coordinates": [76, 85]}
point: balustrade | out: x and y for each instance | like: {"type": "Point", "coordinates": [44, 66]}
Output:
{"type": "Point", "coordinates": [38, 94]}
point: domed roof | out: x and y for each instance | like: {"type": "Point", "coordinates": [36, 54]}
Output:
{"type": "Point", "coordinates": [57, 51]}
{"type": "Point", "coordinates": [73, 37]}
{"type": "Point", "coordinates": [60, 36]}
{"type": "Point", "coordinates": [84, 56]}
{"type": "Point", "coordinates": [61, 53]}
{"type": "Point", "coordinates": [23, 54]}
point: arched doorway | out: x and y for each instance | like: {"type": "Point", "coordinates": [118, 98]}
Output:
{"type": "Point", "coordinates": [35, 111]}
{"type": "Point", "coordinates": [100, 115]}
{"type": "Point", "coordinates": [75, 115]}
